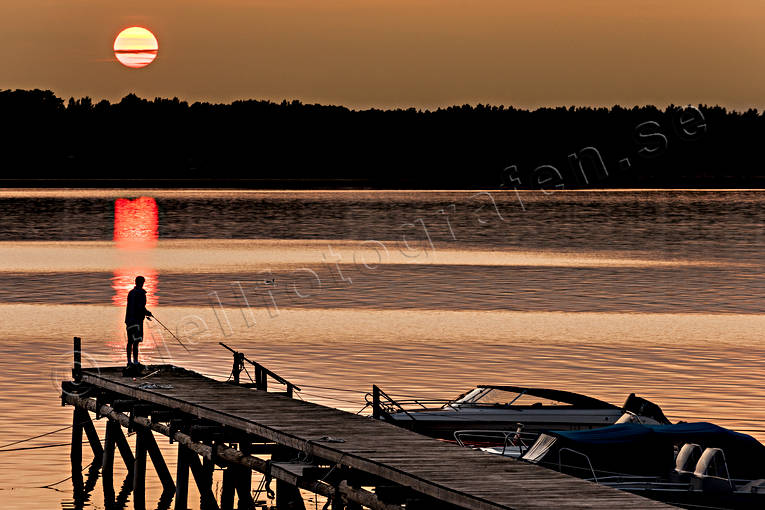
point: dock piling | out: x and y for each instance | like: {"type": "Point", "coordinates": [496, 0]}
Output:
{"type": "Point", "coordinates": [288, 495]}
{"type": "Point", "coordinates": [204, 485]}
{"type": "Point", "coordinates": [182, 478]}
{"type": "Point", "coordinates": [75, 454]}
{"type": "Point", "coordinates": [244, 480]}
{"type": "Point", "coordinates": [107, 464]}
{"type": "Point", "coordinates": [92, 435]}
{"type": "Point", "coordinates": [139, 471]}
{"type": "Point", "coordinates": [208, 470]}
{"type": "Point", "coordinates": [125, 452]}
{"type": "Point", "coordinates": [159, 462]}
{"type": "Point", "coordinates": [228, 489]}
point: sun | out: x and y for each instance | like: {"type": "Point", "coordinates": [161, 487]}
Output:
{"type": "Point", "coordinates": [135, 47]}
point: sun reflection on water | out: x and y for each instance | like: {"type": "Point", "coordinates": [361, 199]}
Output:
{"type": "Point", "coordinates": [136, 223]}
{"type": "Point", "coordinates": [135, 231]}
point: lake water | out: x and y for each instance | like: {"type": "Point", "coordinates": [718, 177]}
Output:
{"type": "Point", "coordinates": [661, 293]}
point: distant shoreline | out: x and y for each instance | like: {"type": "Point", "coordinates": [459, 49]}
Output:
{"type": "Point", "coordinates": [170, 144]}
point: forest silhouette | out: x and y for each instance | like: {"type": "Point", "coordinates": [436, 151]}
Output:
{"type": "Point", "coordinates": [47, 141]}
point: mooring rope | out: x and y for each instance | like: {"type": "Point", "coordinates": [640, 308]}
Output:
{"type": "Point", "coordinates": [38, 447]}
{"type": "Point", "coordinates": [364, 392]}
{"type": "Point", "coordinates": [54, 445]}
{"type": "Point", "coordinates": [51, 486]}
{"type": "Point", "coordinates": [354, 402]}
{"type": "Point", "coordinates": [36, 437]}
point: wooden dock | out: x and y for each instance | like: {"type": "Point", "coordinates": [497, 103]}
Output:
{"type": "Point", "coordinates": [353, 460]}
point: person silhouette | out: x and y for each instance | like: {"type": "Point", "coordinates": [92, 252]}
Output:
{"type": "Point", "coordinates": [135, 313]}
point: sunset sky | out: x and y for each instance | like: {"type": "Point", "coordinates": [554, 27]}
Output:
{"type": "Point", "coordinates": [385, 53]}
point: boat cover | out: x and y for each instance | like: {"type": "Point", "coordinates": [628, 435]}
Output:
{"type": "Point", "coordinates": [636, 449]}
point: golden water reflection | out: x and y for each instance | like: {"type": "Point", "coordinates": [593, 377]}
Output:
{"type": "Point", "coordinates": [136, 224]}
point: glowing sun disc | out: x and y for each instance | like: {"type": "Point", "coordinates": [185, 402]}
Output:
{"type": "Point", "coordinates": [136, 47]}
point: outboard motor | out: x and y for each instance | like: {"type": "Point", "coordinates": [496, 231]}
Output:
{"type": "Point", "coordinates": [642, 407]}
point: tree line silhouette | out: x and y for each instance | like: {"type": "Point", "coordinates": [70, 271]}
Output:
{"type": "Point", "coordinates": [169, 142]}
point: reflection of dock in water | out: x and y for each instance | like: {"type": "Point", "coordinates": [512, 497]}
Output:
{"type": "Point", "coordinates": [353, 460]}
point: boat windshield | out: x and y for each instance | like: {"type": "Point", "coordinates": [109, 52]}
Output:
{"type": "Point", "coordinates": [496, 396]}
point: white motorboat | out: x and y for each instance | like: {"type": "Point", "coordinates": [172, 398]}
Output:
{"type": "Point", "coordinates": [503, 408]}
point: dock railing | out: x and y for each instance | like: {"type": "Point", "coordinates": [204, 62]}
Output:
{"type": "Point", "coordinates": [260, 381]}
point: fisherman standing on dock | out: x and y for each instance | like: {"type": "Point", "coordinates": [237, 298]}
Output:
{"type": "Point", "coordinates": [134, 314]}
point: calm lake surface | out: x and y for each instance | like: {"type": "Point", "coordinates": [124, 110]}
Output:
{"type": "Point", "coordinates": [661, 293]}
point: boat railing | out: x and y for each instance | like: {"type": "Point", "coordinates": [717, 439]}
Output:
{"type": "Point", "coordinates": [486, 438]}
{"type": "Point", "coordinates": [586, 457]}
{"type": "Point", "coordinates": [383, 405]}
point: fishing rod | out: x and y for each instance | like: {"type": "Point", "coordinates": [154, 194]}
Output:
{"type": "Point", "coordinates": [171, 333]}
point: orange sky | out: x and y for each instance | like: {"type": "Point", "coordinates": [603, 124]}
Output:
{"type": "Point", "coordinates": [423, 53]}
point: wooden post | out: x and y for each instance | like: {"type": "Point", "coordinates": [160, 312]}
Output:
{"type": "Point", "coordinates": [77, 370]}
{"type": "Point", "coordinates": [204, 485]}
{"type": "Point", "coordinates": [353, 482]}
{"type": "Point", "coordinates": [288, 496]}
{"type": "Point", "coordinates": [139, 472]}
{"type": "Point", "coordinates": [337, 502]}
{"type": "Point", "coordinates": [227, 491]}
{"type": "Point", "coordinates": [159, 462]}
{"type": "Point", "coordinates": [238, 365]}
{"type": "Point", "coordinates": [107, 464]}
{"type": "Point", "coordinates": [76, 452]}
{"type": "Point", "coordinates": [182, 479]}
{"type": "Point", "coordinates": [244, 481]}
{"type": "Point", "coordinates": [75, 455]}
{"type": "Point", "coordinates": [95, 442]}
{"type": "Point", "coordinates": [125, 452]}
{"type": "Point", "coordinates": [261, 377]}
{"type": "Point", "coordinates": [208, 470]}
{"type": "Point", "coordinates": [375, 402]}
